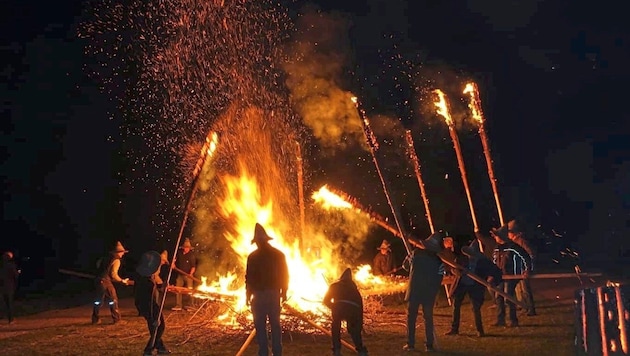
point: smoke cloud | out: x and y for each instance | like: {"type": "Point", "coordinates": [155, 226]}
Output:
{"type": "Point", "coordinates": [314, 65]}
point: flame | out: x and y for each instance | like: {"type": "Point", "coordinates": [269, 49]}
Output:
{"type": "Point", "coordinates": [309, 272]}
{"type": "Point", "coordinates": [475, 103]}
{"type": "Point", "coordinates": [330, 200]}
{"type": "Point", "coordinates": [442, 107]}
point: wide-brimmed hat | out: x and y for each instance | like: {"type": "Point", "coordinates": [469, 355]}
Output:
{"type": "Point", "coordinates": [186, 243]}
{"type": "Point", "coordinates": [149, 263]}
{"type": "Point", "coordinates": [385, 245]}
{"type": "Point", "coordinates": [118, 247]}
{"type": "Point", "coordinates": [502, 232]}
{"type": "Point", "coordinates": [513, 227]}
{"type": "Point", "coordinates": [260, 235]}
{"type": "Point", "coordinates": [433, 243]}
{"type": "Point", "coordinates": [472, 250]}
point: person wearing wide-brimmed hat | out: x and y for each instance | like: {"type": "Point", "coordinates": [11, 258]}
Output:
{"type": "Point", "coordinates": [523, 288]}
{"type": "Point", "coordinates": [425, 278]}
{"type": "Point", "coordinates": [186, 263]}
{"type": "Point", "coordinates": [266, 284]}
{"type": "Point", "coordinates": [383, 263]}
{"type": "Point", "coordinates": [105, 280]}
{"type": "Point", "coordinates": [147, 301]}
{"type": "Point", "coordinates": [512, 260]}
{"type": "Point", "coordinates": [477, 263]}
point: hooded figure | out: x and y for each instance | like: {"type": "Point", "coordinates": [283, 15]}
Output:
{"type": "Point", "coordinates": [105, 284]}
{"type": "Point", "coordinates": [146, 298]}
{"type": "Point", "coordinates": [345, 302]}
{"type": "Point", "coordinates": [266, 283]}
{"type": "Point", "coordinates": [383, 263]}
{"type": "Point", "coordinates": [425, 279]}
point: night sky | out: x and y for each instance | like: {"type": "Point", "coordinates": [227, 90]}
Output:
{"type": "Point", "coordinates": [553, 77]}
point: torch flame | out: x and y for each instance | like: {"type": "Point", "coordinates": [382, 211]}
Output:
{"type": "Point", "coordinates": [330, 200]}
{"type": "Point", "coordinates": [442, 107]}
{"type": "Point", "coordinates": [475, 104]}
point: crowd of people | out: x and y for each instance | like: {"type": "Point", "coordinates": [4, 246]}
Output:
{"type": "Point", "coordinates": [477, 267]}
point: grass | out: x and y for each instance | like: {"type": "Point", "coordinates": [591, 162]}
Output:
{"type": "Point", "coordinates": [69, 332]}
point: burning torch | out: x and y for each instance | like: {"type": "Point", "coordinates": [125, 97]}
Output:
{"type": "Point", "coordinates": [442, 109]}
{"type": "Point", "coordinates": [477, 114]}
{"type": "Point", "coordinates": [207, 151]}
{"type": "Point", "coordinates": [373, 145]}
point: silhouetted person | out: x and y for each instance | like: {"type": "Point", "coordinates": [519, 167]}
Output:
{"type": "Point", "coordinates": [345, 302]}
{"type": "Point", "coordinates": [266, 284]}
{"type": "Point", "coordinates": [425, 280]}
{"type": "Point", "coordinates": [8, 283]}
{"type": "Point", "coordinates": [477, 263]}
{"type": "Point", "coordinates": [383, 263]}
{"type": "Point", "coordinates": [515, 234]}
{"type": "Point", "coordinates": [146, 299]}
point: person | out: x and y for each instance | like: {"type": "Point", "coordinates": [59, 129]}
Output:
{"type": "Point", "coordinates": [477, 263]}
{"type": "Point", "coordinates": [383, 263]}
{"type": "Point", "coordinates": [105, 280]}
{"type": "Point", "coordinates": [186, 265]}
{"type": "Point", "coordinates": [158, 277]}
{"type": "Point", "coordinates": [8, 283]}
{"type": "Point", "coordinates": [345, 302]}
{"type": "Point", "coordinates": [515, 234]}
{"type": "Point", "coordinates": [266, 284]}
{"type": "Point", "coordinates": [425, 279]}
{"type": "Point", "coordinates": [146, 299]}
{"type": "Point", "coordinates": [512, 260]}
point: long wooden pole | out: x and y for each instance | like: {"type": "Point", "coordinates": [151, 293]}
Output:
{"type": "Point", "coordinates": [207, 150]}
{"type": "Point", "coordinates": [443, 109]}
{"type": "Point", "coordinates": [477, 114]}
{"type": "Point", "coordinates": [373, 146]}
{"type": "Point", "coordinates": [300, 178]}
{"type": "Point", "coordinates": [411, 153]}
{"type": "Point", "coordinates": [248, 341]}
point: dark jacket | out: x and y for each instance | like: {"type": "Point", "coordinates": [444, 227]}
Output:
{"type": "Point", "coordinates": [383, 264]}
{"type": "Point", "coordinates": [266, 269]}
{"type": "Point", "coordinates": [425, 277]}
{"type": "Point", "coordinates": [8, 275]}
{"type": "Point", "coordinates": [146, 297]}
{"type": "Point", "coordinates": [186, 261]}
{"type": "Point", "coordinates": [511, 259]}
{"type": "Point", "coordinates": [343, 293]}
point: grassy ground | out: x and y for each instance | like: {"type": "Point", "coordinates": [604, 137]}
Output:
{"type": "Point", "coordinates": [69, 332]}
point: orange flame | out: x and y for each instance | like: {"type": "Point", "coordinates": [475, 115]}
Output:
{"type": "Point", "coordinates": [309, 272]}
{"type": "Point", "coordinates": [475, 103]}
{"type": "Point", "coordinates": [442, 107]}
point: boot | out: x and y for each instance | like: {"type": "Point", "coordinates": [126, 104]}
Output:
{"type": "Point", "coordinates": [113, 308]}
{"type": "Point", "coordinates": [95, 311]}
